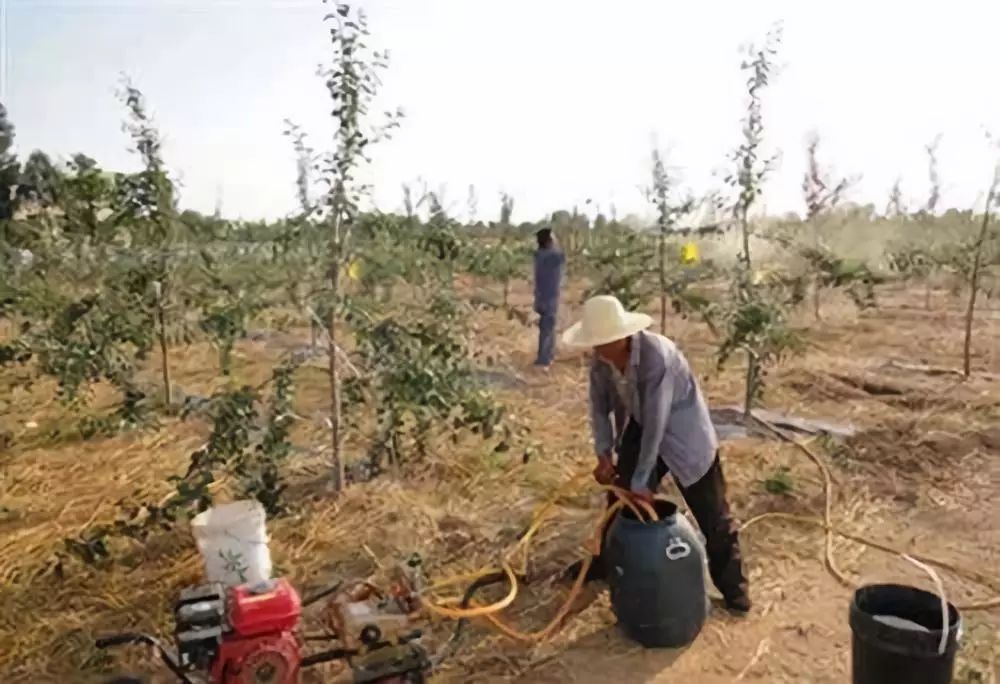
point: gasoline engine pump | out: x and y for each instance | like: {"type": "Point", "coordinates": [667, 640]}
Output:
{"type": "Point", "coordinates": [249, 634]}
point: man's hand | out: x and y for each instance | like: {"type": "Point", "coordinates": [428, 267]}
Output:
{"type": "Point", "coordinates": [642, 494]}
{"type": "Point", "coordinates": [604, 473]}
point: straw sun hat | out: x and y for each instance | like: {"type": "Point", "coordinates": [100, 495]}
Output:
{"type": "Point", "coordinates": [604, 320]}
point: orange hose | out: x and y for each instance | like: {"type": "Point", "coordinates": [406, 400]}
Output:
{"type": "Point", "coordinates": [479, 611]}
{"type": "Point", "coordinates": [623, 495]}
{"type": "Point", "coordinates": [486, 610]}
{"type": "Point", "coordinates": [539, 517]}
{"type": "Point", "coordinates": [560, 615]}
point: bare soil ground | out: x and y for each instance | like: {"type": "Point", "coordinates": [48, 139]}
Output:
{"type": "Point", "coordinates": [922, 474]}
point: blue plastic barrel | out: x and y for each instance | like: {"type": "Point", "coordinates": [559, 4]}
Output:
{"type": "Point", "coordinates": [656, 574]}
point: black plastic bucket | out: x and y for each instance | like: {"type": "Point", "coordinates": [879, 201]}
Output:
{"type": "Point", "coordinates": [897, 636]}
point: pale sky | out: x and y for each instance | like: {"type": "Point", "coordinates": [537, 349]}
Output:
{"type": "Point", "coordinates": [554, 101]}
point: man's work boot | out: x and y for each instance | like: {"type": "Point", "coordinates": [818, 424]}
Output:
{"type": "Point", "coordinates": [739, 604]}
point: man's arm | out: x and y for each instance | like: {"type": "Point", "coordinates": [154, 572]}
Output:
{"type": "Point", "coordinates": [657, 396]}
{"type": "Point", "coordinates": [600, 414]}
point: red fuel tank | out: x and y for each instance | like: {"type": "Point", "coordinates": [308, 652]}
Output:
{"type": "Point", "coordinates": [269, 607]}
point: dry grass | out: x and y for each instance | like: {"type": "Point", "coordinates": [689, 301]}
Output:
{"type": "Point", "coordinates": [923, 472]}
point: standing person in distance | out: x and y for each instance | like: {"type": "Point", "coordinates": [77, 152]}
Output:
{"type": "Point", "coordinates": [646, 407]}
{"type": "Point", "coordinates": [549, 265]}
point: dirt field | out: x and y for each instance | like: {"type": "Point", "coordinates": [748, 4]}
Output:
{"type": "Point", "coordinates": [921, 474]}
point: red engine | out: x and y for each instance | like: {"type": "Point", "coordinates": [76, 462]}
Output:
{"type": "Point", "coordinates": [248, 635]}
{"type": "Point", "coordinates": [243, 635]}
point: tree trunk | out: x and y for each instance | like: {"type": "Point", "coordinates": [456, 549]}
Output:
{"type": "Point", "coordinates": [662, 244]}
{"type": "Point", "coordinates": [225, 359]}
{"type": "Point", "coordinates": [336, 461]}
{"type": "Point", "coordinates": [969, 316]}
{"type": "Point", "coordinates": [751, 377]}
{"type": "Point", "coordinates": [572, 248]}
{"type": "Point", "coordinates": [970, 312]}
{"type": "Point", "coordinates": [506, 291]}
{"type": "Point", "coordinates": [394, 449]}
{"type": "Point", "coordinates": [161, 324]}
{"type": "Point", "coordinates": [816, 304]}
{"type": "Point", "coordinates": [751, 382]}
{"type": "Point", "coordinates": [337, 241]}
{"type": "Point", "coordinates": [745, 228]}
{"type": "Point", "coordinates": [927, 294]}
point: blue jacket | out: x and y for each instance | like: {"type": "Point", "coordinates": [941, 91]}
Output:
{"type": "Point", "coordinates": [549, 265]}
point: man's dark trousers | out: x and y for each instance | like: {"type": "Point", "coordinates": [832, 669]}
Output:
{"type": "Point", "coordinates": [547, 316]}
{"type": "Point", "coordinates": [707, 501]}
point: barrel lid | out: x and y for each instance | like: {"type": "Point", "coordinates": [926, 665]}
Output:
{"type": "Point", "coordinates": [262, 587]}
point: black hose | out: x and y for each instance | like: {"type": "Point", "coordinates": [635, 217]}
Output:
{"type": "Point", "coordinates": [451, 646]}
{"type": "Point", "coordinates": [322, 594]}
{"type": "Point", "coordinates": [326, 656]}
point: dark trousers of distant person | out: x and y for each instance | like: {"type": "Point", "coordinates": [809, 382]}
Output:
{"type": "Point", "coordinates": [707, 501]}
{"type": "Point", "coordinates": [546, 335]}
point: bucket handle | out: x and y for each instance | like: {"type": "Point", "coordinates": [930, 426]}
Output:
{"type": "Point", "coordinates": [939, 585]}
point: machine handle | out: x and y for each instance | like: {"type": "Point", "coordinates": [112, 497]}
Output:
{"type": "Point", "coordinates": [411, 636]}
{"type": "Point", "coordinates": [113, 640]}
{"type": "Point", "coordinates": [138, 638]}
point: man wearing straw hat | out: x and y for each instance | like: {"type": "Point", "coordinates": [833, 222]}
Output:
{"type": "Point", "coordinates": [646, 407]}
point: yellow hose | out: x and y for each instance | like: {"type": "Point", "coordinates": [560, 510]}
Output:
{"type": "Point", "coordinates": [827, 524]}
{"type": "Point", "coordinates": [488, 610]}
{"type": "Point", "coordinates": [556, 621]}
{"type": "Point", "coordinates": [479, 611]}
{"type": "Point", "coordinates": [624, 496]}
{"type": "Point", "coordinates": [970, 574]}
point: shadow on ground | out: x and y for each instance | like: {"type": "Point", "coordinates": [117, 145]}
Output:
{"type": "Point", "coordinates": [620, 661]}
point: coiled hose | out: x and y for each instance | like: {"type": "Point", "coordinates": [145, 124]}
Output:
{"type": "Point", "coordinates": [468, 609]}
